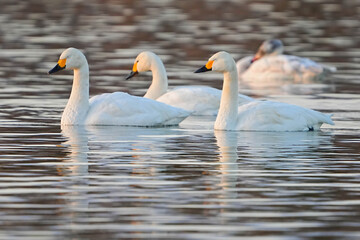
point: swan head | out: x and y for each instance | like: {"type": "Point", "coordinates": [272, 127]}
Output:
{"type": "Point", "coordinates": [270, 47]}
{"type": "Point", "coordinates": [219, 62]}
{"type": "Point", "coordinates": [142, 63]}
{"type": "Point", "coordinates": [71, 58]}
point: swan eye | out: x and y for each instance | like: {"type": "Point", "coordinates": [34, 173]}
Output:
{"type": "Point", "coordinates": [62, 62]}
{"type": "Point", "coordinates": [209, 64]}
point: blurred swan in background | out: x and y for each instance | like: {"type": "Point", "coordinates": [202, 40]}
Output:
{"type": "Point", "coordinates": [116, 108]}
{"type": "Point", "coordinates": [257, 115]}
{"type": "Point", "coordinates": [270, 66]}
{"type": "Point", "coordinates": [199, 100]}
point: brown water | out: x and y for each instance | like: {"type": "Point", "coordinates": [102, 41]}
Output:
{"type": "Point", "coordinates": [185, 182]}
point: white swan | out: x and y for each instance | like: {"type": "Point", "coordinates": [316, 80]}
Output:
{"type": "Point", "coordinates": [270, 66]}
{"type": "Point", "coordinates": [110, 108]}
{"type": "Point", "coordinates": [200, 100]}
{"type": "Point", "coordinates": [257, 115]}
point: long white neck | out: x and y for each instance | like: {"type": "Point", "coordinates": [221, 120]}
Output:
{"type": "Point", "coordinates": [228, 111]}
{"type": "Point", "coordinates": [78, 105]}
{"type": "Point", "coordinates": [159, 83]}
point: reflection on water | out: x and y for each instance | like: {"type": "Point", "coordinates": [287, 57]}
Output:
{"type": "Point", "coordinates": [227, 143]}
{"type": "Point", "coordinates": [76, 168]}
{"type": "Point", "coordinates": [77, 144]}
{"type": "Point", "coordinates": [186, 182]}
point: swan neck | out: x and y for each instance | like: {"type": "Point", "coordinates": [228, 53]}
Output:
{"type": "Point", "coordinates": [159, 84]}
{"type": "Point", "coordinates": [78, 103]}
{"type": "Point", "coordinates": [80, 87]}
{"type": "Point", "coordinates": [227, 116]}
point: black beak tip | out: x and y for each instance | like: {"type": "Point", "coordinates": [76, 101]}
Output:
{"type": "Point", "coordinates": [132, 74]}
{"type": "Point", "coordinates": [56, 69]}
{"type": "Point", "coordinates": [202, 69]}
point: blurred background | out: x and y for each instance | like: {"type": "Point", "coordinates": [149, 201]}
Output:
{"type": "Point", "coordinates": [185, 34]}
{"type": "Point", "coordinates": [184, 182]}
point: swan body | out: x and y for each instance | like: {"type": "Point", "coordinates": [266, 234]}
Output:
{"type": "Point", "coordinates": [199, 100]}
{"type": "Point", "coordinates": [269, 65]}
{"type": "Point", "coordinates": [110, 108]}
{"type": "Point", "coordinates": [257, 115]}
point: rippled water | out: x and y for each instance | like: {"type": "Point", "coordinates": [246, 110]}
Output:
{"type": "Point", "coordinates": [185, 182]}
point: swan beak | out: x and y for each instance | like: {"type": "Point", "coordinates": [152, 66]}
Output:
{"type": "Point", "coordinates": [132, 73]}
{"type": "Point", "coordinates": [254, 59]}
{"type": "Point", "coordinates": [56, 69]}
{"type": "Point", "coordinates": [207, 67]}
{"type": "Point", "coordinates": [259, 54]}
{"type": "Point", "coordinates": [59, 66]}
{"type": "Point", "coordinates": [202, 69]}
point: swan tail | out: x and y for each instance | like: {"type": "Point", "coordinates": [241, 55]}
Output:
{"type": "Point", "coordinates": [329, 120]}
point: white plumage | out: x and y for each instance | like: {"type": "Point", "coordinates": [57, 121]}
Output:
{"type": "Point", "coordinates": [110, 108]}
{"type": "Point", "coordinates": [257, 115]}
{"type": "Point", "coordinates": [277, 116]}
{"type": "Point", "coordinates": [199, 100]}
{"type": "Point", "coordinates": [123, 109]}
{"type": "Point", "coordinates": [270, 66]}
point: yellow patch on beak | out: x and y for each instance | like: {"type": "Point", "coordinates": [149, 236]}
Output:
{"type": "Point", "coordinates": [62, 63]}
{"type": "Point", "coordinates": [135, 67]}
{"type": "Point", "coordinates": [209, 64]}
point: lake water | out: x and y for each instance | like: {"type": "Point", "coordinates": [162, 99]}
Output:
{"type": "Point", "coordinates": [185, 182]}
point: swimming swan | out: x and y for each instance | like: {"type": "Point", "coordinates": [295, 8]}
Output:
{"type": "Point", "coordinates": [270, 65]}
{"type": "Point", "coordinates": [257, 115]}
{"type": "Point", "coordinates": [200, 100]}
{"type": "Point", "coordinates": [116, 108]}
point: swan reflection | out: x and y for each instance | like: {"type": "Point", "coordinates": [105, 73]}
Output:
{"type": "Point", "coordinates": [245, 154]}
{"type": "Point", "coordinates": [227, 143]}
{"type": "Point", "coordinates": [77, 143]}
{"type": "Point", "coordinates": [76, 167]}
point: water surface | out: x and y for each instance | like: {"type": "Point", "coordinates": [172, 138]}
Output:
{"type": "Point", "coordinates": [185, 182]}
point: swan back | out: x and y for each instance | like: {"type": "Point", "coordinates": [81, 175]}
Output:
{"type": "Point", "coordinates": [277, 116]}
{"type": "Point", "coordinates": [123, 109]}
{"type": "Point", "coordinates": [244, 64]}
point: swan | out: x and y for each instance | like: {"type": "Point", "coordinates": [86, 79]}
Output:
{"type": "Point", "coordinates": [116, 108]}
{"type": "Point", "coordinates": [257, 115]}
{"type": "Point", "coordinates": [199, 100]}
{"type": "Point", "coordinates": [270, 65]}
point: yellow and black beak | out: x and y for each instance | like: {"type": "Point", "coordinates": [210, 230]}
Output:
{"type": "Point", "coordinates": [59, 66]}
{"type": "Point", "coordinates": [207, 67]}
{"type": "Point", "coordinates": [133, 72]}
